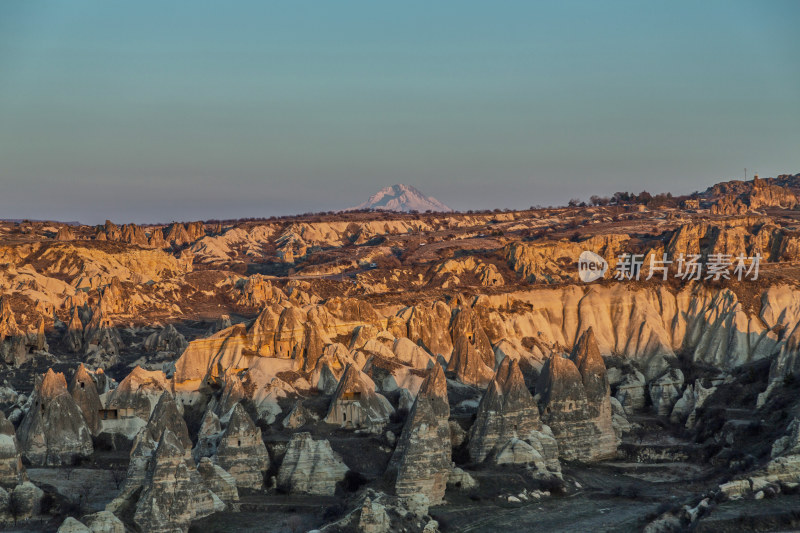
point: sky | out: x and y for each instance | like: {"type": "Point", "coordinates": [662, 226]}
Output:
{"type": "Point", "coordinates": [154, 111]}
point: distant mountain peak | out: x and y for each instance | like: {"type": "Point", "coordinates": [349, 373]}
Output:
{"type": "Point", "coordinates": [402, 197]}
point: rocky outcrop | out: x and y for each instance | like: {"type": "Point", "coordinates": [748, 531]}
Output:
{"type": "Point", "coordinates": [631, 391]}
{"type": "Point", "coordinates": [54, 431]}
{"type": "Point", "coordinates": [166, 340]}
{"type": "Point", "coordinates": [241, 452]}
{"type": "Point", "coordinates": [208, 437]}
{"type": "Point", "coordinates": [310, 467]}
{"type": "Point", "coordinates": [73, 336]}
{"type": "Point", "coordinates": [218, 481]}
{"type": "Point", "coordinates": [100, 338]}
{"type": "Point", "coordinates": [140, 391]}
{"type": "Point", "coordinates": [466, 323]}
{"type": "Point", "coordinates": [685, 409]}
{"type": "Point", "coordinates": [428, 326]}
{"type": "Point", "coordinates": [71, 525]}
{"type": "Point", "coordinates": [298, 417]}
{"type": "Point", "coordinates": [355, 403]}
{"type": "Point", "coordinates": [104, 522]}
{"type": "Point", "coordinates": [15, 344]}
{"type": "Point", "coordinates": [165, 417]}
{"type": "Point", "coordinates": [665, 391]}
{"type": "Point", "coordinates": [26, 501]}
{"type": "Point", "coordinates": [728, 205]}
{"type": "Point", "coordinates": [507, 410]}
{"type": "Point", "coordinates": [565, 409]}
{"type": "Point", "coordinates": [587, 358]}
{"type": "Point", "coordinates": [452, 269]}
{"type": "Point", "coordinates": [172, 496]}
{"type": "Point", "coordinates": [84, 391]}
{"type": "Point", "coordinates": [467, 365]}
{"type": "Point", "coordinates": [65, 233]}
{"type": "Point", "coordinates": [768, 195]}
{"type": "Point", "coordinates": [12, 473]}
{"type": "Point", "coordinates": [421, 462]}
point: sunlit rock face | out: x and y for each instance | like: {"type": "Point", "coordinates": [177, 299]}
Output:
{"type": "Point", "coordinates": [54, 431]}
{"type": "Point", "coordinates": [421, 462]}
{"type": "Point", "coordinates": [468, 365]}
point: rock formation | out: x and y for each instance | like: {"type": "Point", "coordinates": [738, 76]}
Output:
{"type": "Point", "coordinates": [165, 417]}
{"type": "Point", "coordinates": [467, 365]}
{"type": "Point", "coordinates": [241, 451]}
{"type": "Point", "coordinates": [172, 497]}
{"type": "Point", "coordinates": [84, 392]}
{"type": "Point", "coordinates": [12, 473]}
{"type": "Point", "coordinates": [421, 462]}
{"type": "Point", "coordinates": [218, 481]}
{"type": "Point", "coordinates": [355, 403]}
{"type": "Point", "coordinates": [166, 340]}
{"type": "Point", "coordinates": [565, 409]}
{"type": "Point", "coordinates": [14, 342]}
{"type": "Point", "coordinates": [73, 336]}
{"type": "Point", "coordinates": [507, 410]}
{"type": "Point", "coordinates": [665, 391]}
{"type": "Point", "coordinates": [54, 431]}
{"type": "Point", "coordinates": [310, 467]}
{"type": "Point", "coordinates": [140, 391]}
{"type": "Point", "coordinates": [208, 437]}
{"type": "Point", "coordinates": [586, 356]}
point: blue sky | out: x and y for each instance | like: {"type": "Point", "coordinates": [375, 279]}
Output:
{"type": "Point", "coordinates": [159, 111]}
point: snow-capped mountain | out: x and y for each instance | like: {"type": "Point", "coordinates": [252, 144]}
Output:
{"type": "Point", "coordinates": [402, 198]}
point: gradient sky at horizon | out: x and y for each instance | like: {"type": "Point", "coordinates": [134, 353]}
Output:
{"type": "Point", "coordinates": [157, 111]}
